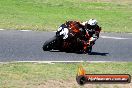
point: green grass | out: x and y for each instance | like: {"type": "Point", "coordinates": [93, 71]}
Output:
{"type": "Point", "coordinates": [47, 15]}
{"type": "Point", "coordinates": [16, 75]}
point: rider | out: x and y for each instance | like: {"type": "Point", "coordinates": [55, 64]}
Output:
{"type": "Point", "coordinates": [93, 31]}
{"type": "Point", "coordinates": [86, 33]}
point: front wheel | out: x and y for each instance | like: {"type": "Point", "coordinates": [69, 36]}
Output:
{"type": "Point", "coordinates": [49, 45]}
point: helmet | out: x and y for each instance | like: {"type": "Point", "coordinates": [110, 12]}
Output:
{"type": "Point", "coordinates": [92, 22]}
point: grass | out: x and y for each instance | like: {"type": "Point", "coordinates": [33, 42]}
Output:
{"type": "Point", "coordinates": [32, 75]}
{"type": "Point", "coordinates": [47, 15]}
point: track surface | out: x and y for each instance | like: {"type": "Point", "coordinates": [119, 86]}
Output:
{"type": "Point", "coordinates": [27, 46]}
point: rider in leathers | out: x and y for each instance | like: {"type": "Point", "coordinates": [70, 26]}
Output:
{"type": "Point", "coordinates": [86, 33]}
{"type": "Point", "coordinates": [92, 30]}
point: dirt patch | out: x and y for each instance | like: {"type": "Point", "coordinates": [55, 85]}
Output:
{"type": "Point", "coordinates": [73, 84]}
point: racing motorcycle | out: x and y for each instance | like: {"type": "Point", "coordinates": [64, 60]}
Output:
{"type": "Point", "coordinates": [67, 41]}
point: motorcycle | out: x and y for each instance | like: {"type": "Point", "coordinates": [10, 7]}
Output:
{"type": "Point", "coordinates": [67, 41]}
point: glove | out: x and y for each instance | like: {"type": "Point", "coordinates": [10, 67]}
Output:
{"type": "Point", "coordinates": [93, 39]}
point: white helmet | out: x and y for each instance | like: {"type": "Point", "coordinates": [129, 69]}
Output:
{"type": "Point", "coordinates": [92, 22]}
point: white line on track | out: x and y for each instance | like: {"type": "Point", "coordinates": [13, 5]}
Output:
{"type": "Point", "coordinates": [113, 37]}
{"type": "Point", "coordinates": [53, 62]}
{"type": "Point", "coordinates": [129, 33]}
{"type": "Point", "coordinates": [2, 29]}
{"type": "Point", "coordinates": [25, 30]}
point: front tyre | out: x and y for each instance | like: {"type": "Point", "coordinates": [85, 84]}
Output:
{"type": "Point", "coordinates": [49, 45]}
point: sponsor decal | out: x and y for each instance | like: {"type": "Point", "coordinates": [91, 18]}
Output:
{"type": "Point", "coordinates": [83, 78]}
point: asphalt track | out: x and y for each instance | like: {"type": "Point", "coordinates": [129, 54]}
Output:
{"type": "Point", "coordinates": [27, 46]}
